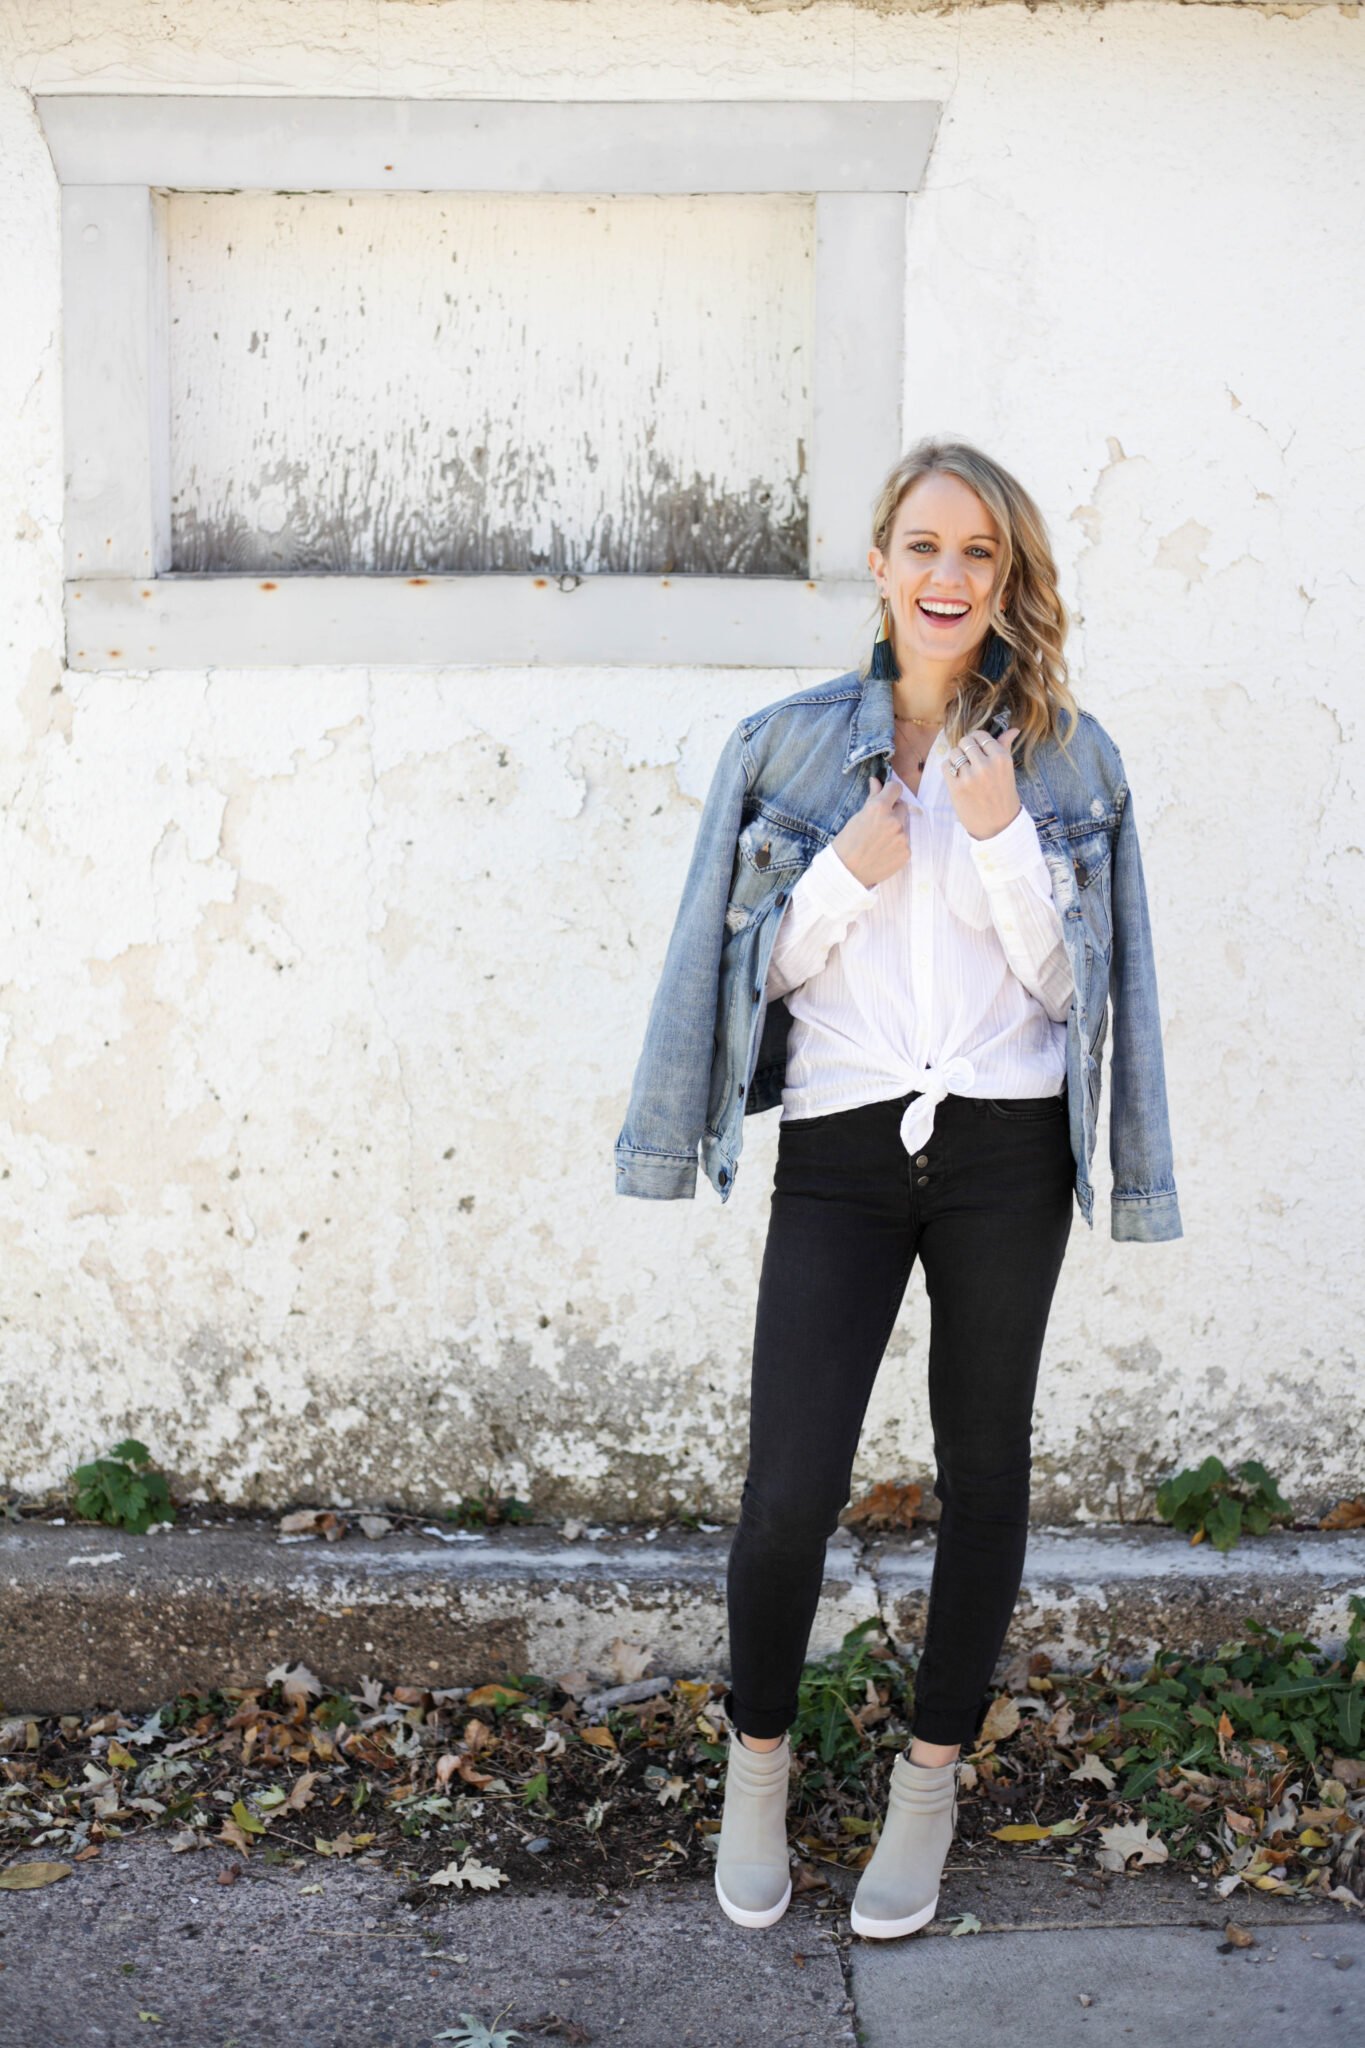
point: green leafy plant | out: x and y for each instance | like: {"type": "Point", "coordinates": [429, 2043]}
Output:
{"type": "Point", "coordinates": [122, 1490]}
{"type": "Point", "coordinates": [1208, 1501]}
{"type": "Point", "coordinates": [833, 1690]}
{"type": "Point", "coordinates": [1276, 1690]}
{"type": "Point", "coordinates": [334, 1709]}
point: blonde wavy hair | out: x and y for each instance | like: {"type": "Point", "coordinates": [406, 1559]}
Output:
{"type": "Point", "coordinates": [1021, 661]}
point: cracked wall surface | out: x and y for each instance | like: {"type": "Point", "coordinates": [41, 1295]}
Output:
{"type": "Point", "coordinates": [322, 988]}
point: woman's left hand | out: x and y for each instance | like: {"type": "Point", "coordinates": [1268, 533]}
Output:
{"type": "Point", "coordinates": [983, 790]}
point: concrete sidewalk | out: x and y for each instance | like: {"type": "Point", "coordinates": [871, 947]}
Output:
{"type": "Point", "coordinates": [142, 1945]}
{"type": "Point", "coordinates": [218, 1604]}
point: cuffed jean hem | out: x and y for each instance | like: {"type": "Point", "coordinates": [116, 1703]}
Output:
{"type": "Point", "coordinates": [941, 1724]}
{"type": "Point", "coordinates": [944, 1728]}
{"type": "Point", "coordinates": [756, 1721]}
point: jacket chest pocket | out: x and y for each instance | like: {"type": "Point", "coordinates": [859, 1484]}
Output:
{"type": "Point", "coordinates": [768, 858]}
{"type": "Point", "coordinates": [1080, 867]}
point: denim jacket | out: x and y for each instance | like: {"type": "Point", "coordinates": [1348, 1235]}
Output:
{"type": "Point", "coordinates": [788, 778]}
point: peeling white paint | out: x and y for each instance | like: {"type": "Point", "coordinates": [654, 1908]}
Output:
{"type": "Point", "coordinates": [322, 987]}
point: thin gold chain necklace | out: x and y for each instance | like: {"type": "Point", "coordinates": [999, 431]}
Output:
{"type": "Point", "coordinates": [905, 719]}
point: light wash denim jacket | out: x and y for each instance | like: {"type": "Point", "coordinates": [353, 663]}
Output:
{"type": "Point", "coordinates": [788, 778]}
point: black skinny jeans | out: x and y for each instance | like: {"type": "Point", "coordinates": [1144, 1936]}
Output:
{"type": "Point", "coordinates": [987, 1208]}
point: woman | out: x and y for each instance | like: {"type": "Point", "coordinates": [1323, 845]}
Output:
{"type": "Point", "coordinates": [929, 990]}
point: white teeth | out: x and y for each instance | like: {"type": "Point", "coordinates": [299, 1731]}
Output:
{"type": "Point", "coordinates": [947, 611]}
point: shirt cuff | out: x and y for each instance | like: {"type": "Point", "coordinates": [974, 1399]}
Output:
{"type": "Point", "coordinates": [833, 888]}
{"type": "Point", "coordinates": [1009, 853]}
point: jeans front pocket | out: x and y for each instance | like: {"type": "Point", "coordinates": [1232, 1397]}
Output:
{"type": "Point", "coordinates": [1026, 1109]}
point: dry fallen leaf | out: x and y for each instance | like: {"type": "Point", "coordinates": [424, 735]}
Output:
{"type": "Point", "coordinates": [1058, 1727]}
{"type": "Point", "coordinates": [29, 1877]}
{"type": "Point", "coordinates": [314, 1521]}
{"type": "Point", "coordinates": [1132, 1839]}
{"type": "Point", "coordinates": [482, 1877]}
{"type": "Point", "coordinates": [1095, 1767]}
{"type": "Point", "coordinates": [1347, 1514]}
{"type": "Point", "coordinates": [1002, 1719]}
{"type": "Point", "coordinates": [301, 1791]}
{"type": "Point", "coordinates": [1022, 1831]}
{"type": "Point", "coordinates": [628, 1661]}
{"type": "Point", "coordinates": [494, 1696]}
{"type": "Point", "coordinates": [297, 1683]}
{"type": "Point", "coordinates": [471, 1774]}
{"type": "Point", "coordinates": [887, 1506]}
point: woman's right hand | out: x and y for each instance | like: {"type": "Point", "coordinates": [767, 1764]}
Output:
{"type": "Point", "coordinates": [874, 843]}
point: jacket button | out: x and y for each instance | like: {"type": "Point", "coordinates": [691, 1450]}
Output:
{"type": "Point", "coordinates": [757, 994]}
{"type": "Point", "coordinates": [741, 1087]}
{"type": "Point", "coordinates": [781, 895]}
{"type": "Point", "coordinates": [923, 1159]}
{"type": "Point", "coordinates": [724, 1176]}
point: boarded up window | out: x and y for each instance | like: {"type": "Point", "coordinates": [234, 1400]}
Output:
{"type": "Point", "coordinates": [430, 382]}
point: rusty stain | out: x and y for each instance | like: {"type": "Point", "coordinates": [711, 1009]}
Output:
{"type": "Point", "coordinates": [114, 653]}
{"type": "Point", "coordinates": [419, 579]}
{"type": "Point", "coordinates": [270, 586]}
{"type": "Point", "coordinates": [146, 593]}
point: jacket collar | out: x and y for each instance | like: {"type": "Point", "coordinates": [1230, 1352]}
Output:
{"type": "Point", "coordinates": [872, 729]}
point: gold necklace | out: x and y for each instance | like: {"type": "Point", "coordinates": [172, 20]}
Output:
{"type": "Point", "coordinates": [906, 719]}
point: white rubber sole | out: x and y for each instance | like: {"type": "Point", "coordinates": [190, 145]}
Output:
{"type": "Point", "coordinates": [747, 1916]}
{"type": "Point", "coordinates": [886, 1930]}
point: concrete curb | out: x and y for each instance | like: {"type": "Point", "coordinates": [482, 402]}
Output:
{"type": "Point", "coordinates": [94, 1617]}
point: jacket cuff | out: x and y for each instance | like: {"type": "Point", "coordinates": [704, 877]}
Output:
{"type": "Point", "coordinates": [833, 888]}
{"type": "Point", "coordinates": [1145, 1219]}
{"type": "Point", "coordinates": [657, 1176]}
{"type": "Point", "coordinates": [1013, 851]}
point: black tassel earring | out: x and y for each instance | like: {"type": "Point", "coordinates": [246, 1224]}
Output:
{"type": "Point", "coordinates": [883, 653]}
{"type": "Point", "coordinates": [996, 657]}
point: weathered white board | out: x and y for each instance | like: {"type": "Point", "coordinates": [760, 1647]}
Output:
{"type": "Point", "coordinates": [471, 382]}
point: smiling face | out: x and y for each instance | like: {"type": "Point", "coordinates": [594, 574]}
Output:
{"type": "Point", "coordinates": [944, 551]}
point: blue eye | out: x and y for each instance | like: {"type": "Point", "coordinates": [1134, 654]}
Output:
{"type": "Point", "coordinates": [915, 545]}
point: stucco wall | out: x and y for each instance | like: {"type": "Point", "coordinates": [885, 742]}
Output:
{"type": "Point", "coordinates": [322, 988]}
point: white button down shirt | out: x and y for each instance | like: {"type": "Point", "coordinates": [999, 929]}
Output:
{"type": "Point", "coordinates": [950, 976]}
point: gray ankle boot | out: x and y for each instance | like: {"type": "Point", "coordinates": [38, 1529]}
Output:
{"type": "Point", "coordinates": [898, 1889]}
{"type": "Point", "coordinates": [753, 1871]}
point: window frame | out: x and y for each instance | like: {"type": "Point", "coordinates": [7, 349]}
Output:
{"type": "Point", "coordinates": [117, 155]}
